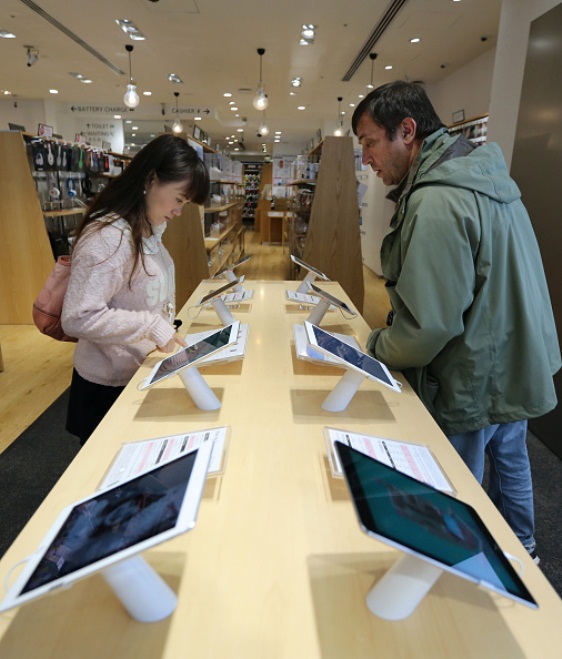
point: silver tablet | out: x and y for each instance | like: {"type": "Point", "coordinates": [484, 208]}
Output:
{"type": "Point", "coordinates": [418, 519]}
{"type": "Point", "coordinates": [350, 357]}
{"type": "Point", "coordinates": [192, 355]}
{"type": "Point", "coordinates": [332, 299]}
{"type": "Point", "coordinates": [310, 268]}
{"type": "Point", "coordinates": [115, 524]}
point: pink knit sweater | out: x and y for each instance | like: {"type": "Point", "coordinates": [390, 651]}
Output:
{"type": "Point", "coordinates": [117, 325]}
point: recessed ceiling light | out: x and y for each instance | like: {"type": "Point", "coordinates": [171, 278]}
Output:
{"type": "Point", "coordinates": [172, 77]}
{"type": "Point", "coordinates": [292, 93]}
{"type": "Point", "coordinates": [301, 107]}
{"type": "Point", "coordinates": [388, 67]}
{"type": "Point", "coordinates": [86, 81]}
{"type": "Point", "coordinates": [147, 93]}
{"type": "Point", "coordinates": [134, 127]}
{"type": "Point", "coordinates": [239, 130]}
{"type": "Point", "coordinates": [117, 116]}
{"type": "Point", "coordinates": [234, 108]}
{"type": "Point", "coordinates": [53, 91]}
{"type": "Point", "coordinates": [6, 34]}
{"type": "Point", "coordinates": [132, 30]}
{"type": "Point", "coordinates": [415, 40]}
{"type": "Point", "coordinates": [296, 82]}
{"type": "Point", "coordinates": [196, 118]}
{"type": "Point", "coordinates": [227, 94]}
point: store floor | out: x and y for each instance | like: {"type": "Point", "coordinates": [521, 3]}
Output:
{"type": "Point", "coordinates": [38, 369]}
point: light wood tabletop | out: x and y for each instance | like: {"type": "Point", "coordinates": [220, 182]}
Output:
{"type": "Point", "coordinates": [277, 566]}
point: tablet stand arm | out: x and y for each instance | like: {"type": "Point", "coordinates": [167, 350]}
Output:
{"type": "Point", "coordinates": [304, 285]}
{"type": "Point", "coordinates": [201, 393]}
{"type": "Point", "coordinates": [343, 392]}
{"type": "Point", "coordinates": [143, 592]}
{"type": "Point", "coordinates": [318, 312]}
{"type": "Point", "coordinates": [402, 588]}
{"type": "Point", "coordinates": [223, 312]}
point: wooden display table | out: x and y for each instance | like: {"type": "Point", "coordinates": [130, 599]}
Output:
{"type": "Point", "coordinates": [277, 566]}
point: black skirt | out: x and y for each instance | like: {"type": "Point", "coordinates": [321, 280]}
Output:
{"type": "Point", "coordinates": [88, 403]}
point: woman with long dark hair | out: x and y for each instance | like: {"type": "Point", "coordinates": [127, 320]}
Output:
{"type": "Point", "coordinates": [120, 302]}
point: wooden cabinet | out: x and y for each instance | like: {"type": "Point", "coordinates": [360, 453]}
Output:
{"type": "Point", "coordinates": [325, 218]}
{"type": "Point", "coordinates": [27, 258]}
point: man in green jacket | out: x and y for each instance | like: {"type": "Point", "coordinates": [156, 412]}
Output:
{"type": "Point", "coordinates": [472, 324]}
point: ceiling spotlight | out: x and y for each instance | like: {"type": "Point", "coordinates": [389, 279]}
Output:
{"type": "Point", "coordinates": [260, 101]}
{"type": "Point", "coordinates": [307, 34]}
{"type": "Point", "coordinates": [296, 82]}
{"type": "Point", "coordinates": [132, 30]}
{"type": "Point", "coordinates": [177, 125]}
{"type": "Point", "coordinates": [32, 55]}
{"type": "Point", "coordinates": [6, 34]}
{"type": "Point", "coordinates": [172, 77]}
{"type": "Point", "coordinates": [338, 132]}
{"type": "Point", "coordinates": [131, 98]}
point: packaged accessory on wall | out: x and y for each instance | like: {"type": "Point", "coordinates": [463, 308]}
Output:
{"type": "Point", "coordinates": [47, 308]}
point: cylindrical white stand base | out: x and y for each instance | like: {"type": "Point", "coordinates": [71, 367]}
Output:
{"type": "Point", "coordinates": [223, 312]}
{"type": "Point", "coordinates": [318, 312]}
{"type": "Point", "coordinates": [343, 392]}
{"type": "Point", "coordinates": [198, 389]}
{"type": "Point", "coordinates": [230, 276]}
{"type": "Point", "coordinates": [304, 285]}
{"type": "Point", "coordinates": [402, 588]}
{"type": "Point", "coordinates": [145, 595]}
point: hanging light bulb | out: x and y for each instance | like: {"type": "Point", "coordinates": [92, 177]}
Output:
{"type": "Point", "coordinates": [177, 126]}
{"type": "Point", "coordinates": [131, 98]}
{"type": "Point", "coordinates": [373, 57]}
{"type": "Point", "coordinates": [338, 132]}
{"type": "Point", "coordinates": [260, 99]}
{"type": "Point", "coordinates": [263, 130]}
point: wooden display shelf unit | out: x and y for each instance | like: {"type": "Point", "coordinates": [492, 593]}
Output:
{"type": "Point", "coordinates": [228, 245]}
{"type": "Point", "coordinates": [327, 234]}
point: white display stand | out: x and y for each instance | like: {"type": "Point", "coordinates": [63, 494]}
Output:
{"type": "Point", "coordinates": [230, 276]}
{"type": "Point", "coordinates": [318, 312]}
{"type": "Point", "coordinates": [402, 588]}
{"type": "Point", "coordinates": [304, 285]}
{"type": "Point", "coordinates": [343, 392]}
{"type": "Point", "coordinates": [198, 389]}
{"type": "Point", "coordinates": [223, 311]}
{"type": "Point", "coordinates": [143, 592]}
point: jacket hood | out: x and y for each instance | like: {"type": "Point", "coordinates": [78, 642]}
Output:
{"type": "Point", "coordinates": [453, 161]}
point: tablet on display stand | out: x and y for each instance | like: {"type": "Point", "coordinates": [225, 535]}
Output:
{"type": "Point", "coordinates": [184, 364]}
{"type": "Point", "coordinates": [435, 531]}
{"type": "Point", "coordinates": [219, 305]}
{"type": "Point", "coordinates": [326, 300]}
{"type": "Point", "coordinates": [358, 366]}
{"type": "Point", "coordinates": [228, 272]}
{"type": "Point", "coordinates": [311, 275]}
{"type": "Point", "coordinates": [106, 532]}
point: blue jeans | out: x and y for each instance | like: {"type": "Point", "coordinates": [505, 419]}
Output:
{"type": "Point", "coordinates": [510, 486]}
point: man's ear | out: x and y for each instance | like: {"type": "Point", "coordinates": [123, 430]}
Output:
{"type": "Point", "coordinates": [408, 128]}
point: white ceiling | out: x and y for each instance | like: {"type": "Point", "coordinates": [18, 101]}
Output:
{"type": "Point", "coordinates": [212, 45]}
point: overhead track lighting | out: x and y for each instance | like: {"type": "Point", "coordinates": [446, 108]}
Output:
{"type": "Point", "coordinates": [32, 55]}
{"type": "Point", "coordinates": [131, 98]}
{"type": "Point", "coordinates": [177, 125]}
{"type": "Point", "coordinates": [260, 101]}
{"type": "Point", "coordinates": [373, 57]}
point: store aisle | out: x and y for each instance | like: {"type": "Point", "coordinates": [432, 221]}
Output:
{"type": "Point", "coordinates": [38, 369]}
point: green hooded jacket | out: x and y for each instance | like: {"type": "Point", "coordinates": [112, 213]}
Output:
{"type": "Point", "coordinates": [473, 329]}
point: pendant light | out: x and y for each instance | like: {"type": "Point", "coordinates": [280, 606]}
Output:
{"type": "Point", "coordinates": [263, 130]}
{"type": "Point", "coordinates": [373, 57]}
{"type": "Point", "coordinates": [339, 124]}
{"type": "Point", "coordinates": [260, 99]}
{"type": "Point", "coordinates": [131, 98]}
{"type": "Point", "coordinates": [177, 125]}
